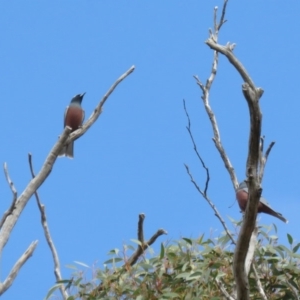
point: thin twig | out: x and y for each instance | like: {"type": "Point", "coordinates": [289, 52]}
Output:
{"type": "Point", "coordinates": [217, 214]}
{"type": "Point", "coordinates": [196, 150]}
{"type": "Point", "coordinates": [269, 150]}
{"type": "Point", "coordinates": [263, 159]}
{"type": "Point", "coordinates": [15, 196]}
{"type": "Point", "coordinates": [215, 19]}
{"type": "Point", "coordinates": [222, 19]}
{"type": "Point", "coordinates": [50, 242]}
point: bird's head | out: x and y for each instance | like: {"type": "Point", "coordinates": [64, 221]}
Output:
{"type": "Point", "coordinates": [77, 99]}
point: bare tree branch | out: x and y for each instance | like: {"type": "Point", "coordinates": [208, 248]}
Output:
{"type": "Point", "coordinates": [144, 245]}
{"type": "Point", "coordinates": [263, 157]}
{"type": "Point", "coordinates": [14, 192]}
{"type": "Point", "coordinates": [222, 19]}
{"type": "Point", "coordinates": [205, 97]}
{"type": "Point", "coordinates": [269, 150]}
{"type": "Point", "coordinates": [98, 110]}
{"type": "Point", "coordinates": [16, 268]}
{"type": "Point", "coordinates": [52, 247]}
{"type": "Point", "coordinates": [196, 150]}
{"type": "Point", "coordinates": [227, 51]}
{"type": "Point", "coordinates": [252, 95]}
{"type": "Point", "coordinates": [33, 185]}
{"type": "Point", "coordinates": [217, 214]}
{"type": "Point", "coordinates": [217, 139]}
{"type": "Point", "coordinates": [36, 182]}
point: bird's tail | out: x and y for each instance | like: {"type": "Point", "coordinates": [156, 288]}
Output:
{"type": "Point", "coordinates": [278, 215]}
{"type": "Point", "coordinates": [67, 150]}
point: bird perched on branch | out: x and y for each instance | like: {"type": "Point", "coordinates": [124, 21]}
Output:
{"type": "Point", "coordinates": [263, 206]}
{"type": "Point", "coordinates": [74, 116]}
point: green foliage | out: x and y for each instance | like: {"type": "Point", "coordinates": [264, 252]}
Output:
{"type": "Point", "coordinates": [192, 269]}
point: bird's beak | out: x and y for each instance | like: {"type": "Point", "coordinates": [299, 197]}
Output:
{"type": "Point", "coordinates": [82, 95]}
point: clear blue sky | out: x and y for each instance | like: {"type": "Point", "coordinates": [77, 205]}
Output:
{"type": "Point", "coordinates": [131, 160]}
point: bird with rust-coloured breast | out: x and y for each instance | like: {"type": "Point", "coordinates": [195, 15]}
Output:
{"type": "Point", "coordinates": [74, 116]}
{"type": "Point", "coordinates": [263, 205]}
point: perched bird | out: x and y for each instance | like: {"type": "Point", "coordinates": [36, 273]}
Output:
{"type": "Point", "coordinates": [74, 116]}
{"type": "Point", "coordinates": [263, 206]}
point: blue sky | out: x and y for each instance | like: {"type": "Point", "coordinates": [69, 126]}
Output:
{"type": "Point", "coordinates": [131, 160]}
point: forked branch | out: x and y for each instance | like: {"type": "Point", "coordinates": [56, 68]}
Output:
{"type": "Point", "coordinates": [142, 247]}
{"type": "Point", "coordinates": [11, 217]}
{"type": "Point", "coordinates": [48, 237]}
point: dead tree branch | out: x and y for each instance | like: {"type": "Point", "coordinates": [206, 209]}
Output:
{"type": "Point", "coordinates": [263, 157]}
{"type": "Point", "coordinates": [205, 96]}
{"type": "Point", "coordinates": [16, 268]}
{"type": "Point", "coordinates": [142, 247]}
{"type": "Point", "coordinates": [50, 242]}
{"type": "Point", "coordinates": [98, 110]}
{"type": "Point", "coordinates": [13, 216]}
{"type": "Point", "coordinates": [217, 138]}
{"type": "Point", "coordinates": [217, 214]}
{"type": "Point", "coordinates": [15, 195]}
{"type": "Point", "coordinates": [196, 150]}
{"type": "Point", "coordinates": [252, 96]}
{"type": "Point", "coordinates": [33, 185]}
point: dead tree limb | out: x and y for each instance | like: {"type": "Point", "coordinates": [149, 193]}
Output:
{"type": "Point", "coordinates": [252, 95]}
{"type": "Point", "coordinates": [206, 92]}
{"type": "Point", "coordinates": [211, 204]}
{"type": "Point", "coordinates": [142, 247]}
{"type": "Point", "coordinates": [217, 138]}
{"type": "Point", "coordinates": [255, 161]}
{"type": "Point", "coordinates": [11, 219]}
{"type": "Point", "coordinates": [48, 237]}
{"type": "Point", "coordinates": [98, 110]}
{"type": "Point", "coordinates": [189, 129]}
{"type": "Point", "coordinates": [33, 185]}
{"type": "Point", "coordinates": [17, 267]}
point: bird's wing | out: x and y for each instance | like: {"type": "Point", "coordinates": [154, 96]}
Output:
{"type": "Point", "coordinates": [83, 115]}
{"type": "Point", "coordinates": [264, 201]}
{"type": "Point", "coordinates": [66, 110]}
{"type": "Point", "coordinates": [243, 186]}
